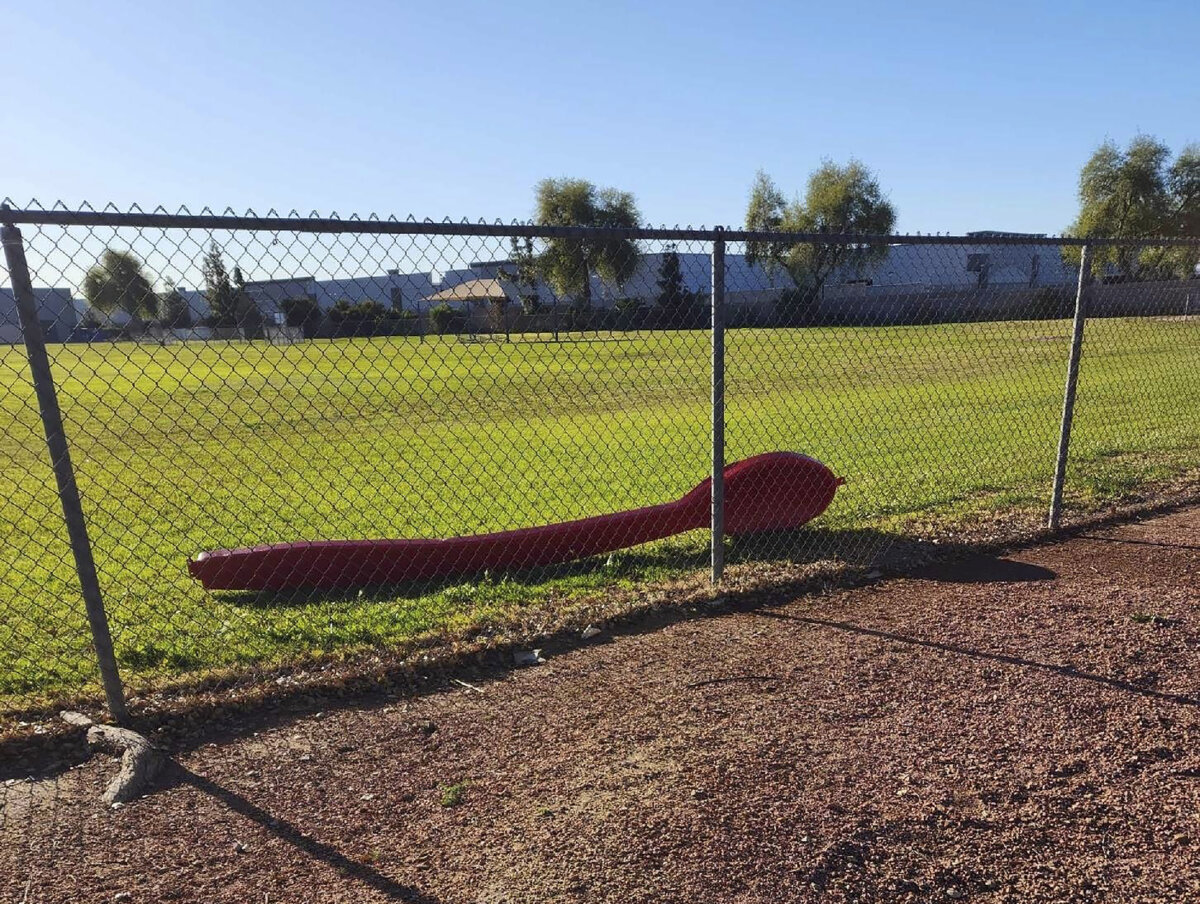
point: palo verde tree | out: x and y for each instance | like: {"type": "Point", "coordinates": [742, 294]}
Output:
{"type": "Point", "coordinates": [567, 264]}
{"type": "Point", "coordinates": [118, 282]}
{"type": "Point", "coordinates": [839, 200]}
{"type": "Point", "coordinates": [1140, 192]}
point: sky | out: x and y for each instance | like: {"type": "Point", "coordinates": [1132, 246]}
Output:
{"type": "Point", "coordinates": [973, 115]}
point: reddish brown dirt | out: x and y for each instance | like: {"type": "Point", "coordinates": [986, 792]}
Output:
{"type": "Point", "coordinates": [1022, 729]}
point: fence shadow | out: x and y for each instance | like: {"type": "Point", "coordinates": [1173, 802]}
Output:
{"type": "Point", "coordinates": [869, 548]}
{"type": "Point", "coordinates": [177, 774]}
{"type": "Point", "coordinates": [1130, 541]}
{"type": "Point", "coordinates": [856, 547]}
{"type": "Point", "coordinates": [972, 653]}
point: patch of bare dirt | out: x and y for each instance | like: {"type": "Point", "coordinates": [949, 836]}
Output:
{"type": "Point", "coordinates": [1009, 730]}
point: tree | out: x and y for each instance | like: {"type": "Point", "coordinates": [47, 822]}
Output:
{"type": "Point", "coordinates": [672, 292]}
{"type": "Point", "coordinates": [676, 304]}
{"type": "Point", "coordinates": [229, 304]}
{"type": "Point", "coordinates": [362, 318]}
{"type": "Point", "coordinates": [302, 313]}
{"type": "Point", "coordinates": [568, 263]}
{"type": "Point", "coordinates": [90, 320]}
{"type": "Point", "coordinates": [173, 309]}
{"type": "Point", "coordinates": [498, 315]}
{"type": "Point", "coordinates": [1139, 193]}
{"type": "Point", "coordinates": [219, 290]}
{"type": "Point", "coordinates": [118, 282]}
{"type": "Point", "coordinates": [526, 274]}
{"type": "Point", "coordinates": [843, 200]}
{"type": "Point", "coordinates": [764, 213]}
{"type": "Point", "coordinates": [248, 315]}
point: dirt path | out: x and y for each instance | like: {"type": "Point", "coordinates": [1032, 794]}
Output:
{"type": "Point", "coordinates": [1006, 730]}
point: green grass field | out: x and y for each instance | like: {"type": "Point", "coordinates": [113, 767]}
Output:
{"type": "Point", "coordinates": [188, 447]}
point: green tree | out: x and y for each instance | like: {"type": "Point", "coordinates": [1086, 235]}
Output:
{"type": "Point", "coordinates": [839, 199]}
{"type": "Point", "coordinates": [525, 274]}
{"type": "Point", "coordinates": [173, 309]}
{"type": "Point", "coordinates": [302, 313]}
{"type": "Point", "coordinates": [362, 318]}
{"type": "Point", "coordinates": [219, 291]}
{"type": "Point", "coordinates": [229, 304]}
{"type": "Point", "coordinates": [249, 317]}
{"type": "Point", "coordinates": [764, 213]}
{"type": "Point", "coordinates": [672, 292]}
{"type": "Point", "coordinates": [1139, 192]}
{"type": "Point", "coordinates": [118, 282]}
{"type": "Point", "coordinates": [568, 263]}
{"type": "Point", "coordinates": [677, 305]}
{"type": "Point", "coordinates": [342, 310]}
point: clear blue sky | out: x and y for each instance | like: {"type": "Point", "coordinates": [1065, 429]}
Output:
{"type": "Point", "coordinates": [974, 115]}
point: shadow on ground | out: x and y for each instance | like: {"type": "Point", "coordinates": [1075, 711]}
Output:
{"type": "Point", "coordinates": [177, 774]}
{"type": "Point", "coordinates": [1135, 542]}
{"type": "Point", "coordinates": [984, 570]}
{"type": "Point", "coordinates": [1006, 658]}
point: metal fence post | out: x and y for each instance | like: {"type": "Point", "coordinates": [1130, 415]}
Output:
{"type": "Point", "coordinates": [64, 473]}
{"type": "Point", "coordinates": [718, 406]}
{"type": "Point", "coordinates": [1064, 436]}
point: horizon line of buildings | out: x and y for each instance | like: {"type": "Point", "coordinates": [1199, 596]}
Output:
{"type": "Point", "coordinates": [911, 268]}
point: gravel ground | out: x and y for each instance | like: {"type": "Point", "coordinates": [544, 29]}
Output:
{"type": "Point", "coordinates": [1016, 729]}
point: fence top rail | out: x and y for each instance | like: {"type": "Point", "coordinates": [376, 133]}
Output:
{"type": "Point", "coordinates": [135, 219]}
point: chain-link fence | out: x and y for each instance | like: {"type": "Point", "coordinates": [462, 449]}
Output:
{"type": "Point", "coordinates": [297, 439]}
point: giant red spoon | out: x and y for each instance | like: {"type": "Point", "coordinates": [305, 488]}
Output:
{"type": "Point", "coordinates": [774, 491]}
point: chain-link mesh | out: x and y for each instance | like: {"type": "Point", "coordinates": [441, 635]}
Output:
{"type": "Point", "coordinates": [229, 384]}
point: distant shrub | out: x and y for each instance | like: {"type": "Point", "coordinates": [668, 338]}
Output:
{"type": "Point", "coordinates": [370, 318]}
{"type": "Point", "coordinates": [366, 311]}
{"type": "Point", "coordinates": [173, 310]}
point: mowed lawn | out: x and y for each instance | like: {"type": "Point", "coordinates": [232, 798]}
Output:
{"type": "Point", "coordinates": [189, 447]}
